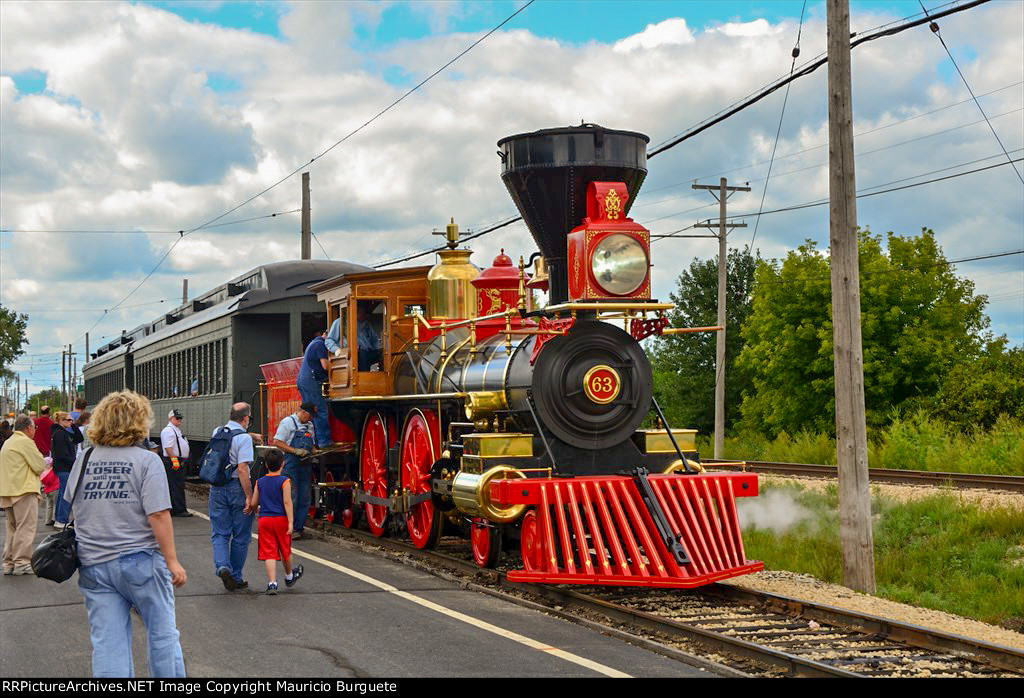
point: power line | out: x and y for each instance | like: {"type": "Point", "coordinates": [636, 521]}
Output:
{"type": "Point", "coordinates": [467, 238]}
{"type": "Point", "coordinates": [824, 202]}
{"type": "Point", "coordinates": [89, 310]}
{"type": "Point", "coordinates": [146, 232]}
{"type": "Point", "coordinates": [898, 270]}
{"type": "Point", "coordinates": [376, 116]}
{"type": "Point", "coordinates": [881, 32]}
{"type": "Point", "coordinates": [823, 145]}
{"type": "Point", "coordinates": [935, 30]}
{"type": "Point", "coordinates": [861, 154]}
{"type": "Point", "coordinates": [807, 69]}
{"type": "Point", "coordinates": [778, 132]}
{"type": "Point", "coordinates": [379, 114]}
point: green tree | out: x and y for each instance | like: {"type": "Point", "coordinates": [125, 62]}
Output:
{"type": "Point", "coordinates": [52, 396]}
{"type": "Point", "coordinates": [12, 337]}
{"type": "Point", "coordinates": [918, 321]}
{"type": "Point", "coordinates": [684, 364]}
{"type": "Point", "coordinates": [974, 393]}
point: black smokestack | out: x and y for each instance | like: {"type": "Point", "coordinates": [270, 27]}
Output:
{"type": "Point", "coordinates": [547, 173]}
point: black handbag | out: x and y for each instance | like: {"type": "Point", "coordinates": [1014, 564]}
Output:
{"type": "Point", "coordinates": [56, 557]}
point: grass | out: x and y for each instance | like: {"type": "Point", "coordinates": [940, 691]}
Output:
{"type": "Point", "coordinates": [914, 442]}
{"type": "Point", "coordinates": [934, 552]}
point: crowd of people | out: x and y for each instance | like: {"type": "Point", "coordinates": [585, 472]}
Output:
{"type": "Point", "coordinates": [123, 526]}
{"type": "Point", "coordinates": [100, 473]}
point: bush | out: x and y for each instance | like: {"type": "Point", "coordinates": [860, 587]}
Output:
{"type": "Point", "coordinates": [911, 442]}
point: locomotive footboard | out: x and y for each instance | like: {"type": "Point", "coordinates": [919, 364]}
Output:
{"type": "Point", "coordinates": [600, 530]}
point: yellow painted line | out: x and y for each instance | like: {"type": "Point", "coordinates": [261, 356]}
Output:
{"type": "Point", "coordinates": [469, 620]}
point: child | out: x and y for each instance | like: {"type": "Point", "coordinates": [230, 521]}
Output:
{"type": "Point", "coordinates": [273, 496]}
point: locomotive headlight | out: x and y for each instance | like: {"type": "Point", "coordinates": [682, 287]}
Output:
{"type": "Point", "coordinates": [619, 264]}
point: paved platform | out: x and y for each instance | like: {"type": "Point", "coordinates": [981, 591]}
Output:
{"type": "Point", "coordinates": [353, 615]}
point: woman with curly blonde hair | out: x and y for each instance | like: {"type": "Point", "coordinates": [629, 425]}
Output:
{"type": "Point", "coordinates": [125, 536]}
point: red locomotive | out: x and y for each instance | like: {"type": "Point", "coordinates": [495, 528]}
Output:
{"type": "Point", "coordinates": [522, 425]}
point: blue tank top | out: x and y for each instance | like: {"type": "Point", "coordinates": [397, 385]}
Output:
{"type": "Point", "coordinates": [271, 498]}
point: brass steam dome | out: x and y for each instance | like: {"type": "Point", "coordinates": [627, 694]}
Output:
{"type": "Point", "coordinates": [450, 281]}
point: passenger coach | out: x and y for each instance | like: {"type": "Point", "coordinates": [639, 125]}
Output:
{"type": "Point", "coordinates": [205, 355]}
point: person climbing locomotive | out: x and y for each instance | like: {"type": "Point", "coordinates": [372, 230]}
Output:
{"type": "Point", "coordinates": [295, 439]}
{"type": "Point", "coordinates": [312, 375]}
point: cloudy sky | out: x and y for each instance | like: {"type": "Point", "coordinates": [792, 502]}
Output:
{"type": "Point", "coordinates": [125, 122]}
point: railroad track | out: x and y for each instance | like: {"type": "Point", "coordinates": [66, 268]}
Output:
{"type": "Point", "coordinates": [752, 633]}
{"type": "Point", "coordinates": [1010, 483]}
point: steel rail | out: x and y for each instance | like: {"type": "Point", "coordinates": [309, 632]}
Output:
{"type": "Point", "coordinates": [907, 635]}
{"type": "Point", "coordinates": [1010, 483]}
{"type": "Point", "coordinates": [911, 636]}
{"type": "Point", "coordinates": [998, 656]}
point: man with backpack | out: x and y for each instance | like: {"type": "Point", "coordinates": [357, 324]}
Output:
{"type": "Point", "coordinates": [225, 464]}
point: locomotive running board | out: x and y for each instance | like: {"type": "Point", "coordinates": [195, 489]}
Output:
{"type": "Point", "coordinates": [609, 533]}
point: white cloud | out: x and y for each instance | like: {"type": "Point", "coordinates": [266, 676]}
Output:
{"type": "Point", "coordinates": [671, 32]}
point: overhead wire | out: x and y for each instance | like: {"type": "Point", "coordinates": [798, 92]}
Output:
{"type": "Point", "coordinates": [934, 26]}
{"type": "Point", "coordinates": [824, 202]}
{"type": "Point", "coordinates": [806, 69]}
{"type": "Point", "coordinates": [379, 114]}
{"type": "Point", "coordinates": [886, 30]}
{"type": "Point", "coordinates": [825, 145]}
{"type": "Point", "coordinates": [993, 255]}
{"type": "Point", "coordinates": [778, 131]}
{"type": "Point", "coordinates": [146, 232]}
{"type": "Point", "coordinates": [859, 154]}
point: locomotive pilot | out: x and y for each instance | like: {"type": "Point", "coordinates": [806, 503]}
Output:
{"type": "Point", "coordinates": [295, 438]}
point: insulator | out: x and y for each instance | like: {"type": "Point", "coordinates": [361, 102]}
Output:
{"type": "Point", "coordinates": [796, 51]}
{"type": "Point", "coordinates": [934, 26]}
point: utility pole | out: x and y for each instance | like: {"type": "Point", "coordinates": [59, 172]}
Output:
{"type": "Point", "coordinates": [723, 253]}
{"type": "Point", "coordinates": [307, 230]}
{"type": "Point", "coordinates": [855, 533]}
{"type": "Point", "coordinates": [63, 376]}
{"type": "Point", "coordinates": [184, 291]}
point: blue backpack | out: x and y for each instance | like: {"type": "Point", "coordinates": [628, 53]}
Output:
{"type": "Point", "coordinates": [214, 464]}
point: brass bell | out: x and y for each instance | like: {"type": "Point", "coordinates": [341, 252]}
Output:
{"type": "Point", "coordinates": [540, 275]}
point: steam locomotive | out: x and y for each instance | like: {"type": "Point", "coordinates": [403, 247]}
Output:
{"type": "Point", "coordinates": [522, 425]}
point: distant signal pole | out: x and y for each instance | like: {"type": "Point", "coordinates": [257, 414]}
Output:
{"type": "Point", "coordinates": [723, 252]}
{"type": "Point", "coordinates": [855, 534]}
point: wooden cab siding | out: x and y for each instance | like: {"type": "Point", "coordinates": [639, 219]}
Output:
{"type": "Point", "coordinates": [397, 288]}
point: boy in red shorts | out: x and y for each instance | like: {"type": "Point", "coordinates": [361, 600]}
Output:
{"type": "Point", "coordinates": [273, 496]}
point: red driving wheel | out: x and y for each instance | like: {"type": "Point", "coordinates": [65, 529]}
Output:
{"type": "Point", "coordinates": [532, 543]}
{"type": "Point", "coordinates": [419, 452]}
{"type": "Point", "coordinates": [373, 465]}
{"type": "Point", "coordinates": [486, 542]}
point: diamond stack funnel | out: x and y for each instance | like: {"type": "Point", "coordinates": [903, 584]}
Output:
{"type": "Point", "coordinates": [547, 173]}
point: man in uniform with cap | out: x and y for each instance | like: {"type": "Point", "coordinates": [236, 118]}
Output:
{"type": "Point", "coordinates": [295, 438]}
{"type": "Point", "coordinates": [174, 450]}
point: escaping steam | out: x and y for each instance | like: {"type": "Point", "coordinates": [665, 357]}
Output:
{"type": "Point", "coordinates": [774, 510]}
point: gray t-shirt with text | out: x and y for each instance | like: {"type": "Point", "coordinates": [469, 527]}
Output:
{"type": "Point", "coordinates": [121, 488]}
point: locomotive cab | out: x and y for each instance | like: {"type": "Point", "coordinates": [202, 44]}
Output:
{"type": "Point", "coordinates": [376, 310]}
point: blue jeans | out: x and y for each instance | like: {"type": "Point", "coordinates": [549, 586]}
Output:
{"type": "Point", "coordinates": [63, 508]}
{"type": "Point", "coordinates": [311, 391]}
{"type": "Point", "coordinates": [301, 476]}
{"type": "Point", "coordinates": [139, 579]}
{"type": "Point", "coordinates": [232, 529]}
